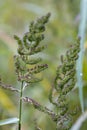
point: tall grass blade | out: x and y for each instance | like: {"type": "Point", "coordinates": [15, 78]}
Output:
{"type": "Point", "coordinates": [82, 30]}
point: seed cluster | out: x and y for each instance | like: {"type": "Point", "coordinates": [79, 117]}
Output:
{"type": "Point", "coordinates": [28, 46]}
{"type": "Point", "coordinates": [64, 82]}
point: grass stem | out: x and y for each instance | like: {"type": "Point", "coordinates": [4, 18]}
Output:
{"type": "Point", "coordinates": [20, 107]}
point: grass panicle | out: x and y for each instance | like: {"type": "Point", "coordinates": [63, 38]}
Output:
{"type": "Point", "coordinates": [28, 66]}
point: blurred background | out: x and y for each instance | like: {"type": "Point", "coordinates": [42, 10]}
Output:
{"type": "Point", "coordinates": [62, 30]}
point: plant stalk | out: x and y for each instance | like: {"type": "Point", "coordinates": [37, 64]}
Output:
{"type": "Point", "coordinates": [20, 107]}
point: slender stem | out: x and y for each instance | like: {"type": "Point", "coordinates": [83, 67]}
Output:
{"type": "Point", "coordinates": [20, 107]}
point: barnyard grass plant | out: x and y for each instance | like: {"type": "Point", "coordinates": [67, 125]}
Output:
{"type": "Point", "coordinates": [28, 66]}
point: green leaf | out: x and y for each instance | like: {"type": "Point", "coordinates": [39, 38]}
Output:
{"type": "Point", "coordinates": [9, 121]}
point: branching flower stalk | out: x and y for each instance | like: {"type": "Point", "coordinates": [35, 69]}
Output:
{"type": "Point", "coordinates": [27, 64]}
{"type": "Point", "coordinates": [28, 47]}
{"type": "Point", "coordinates": [64, 83]}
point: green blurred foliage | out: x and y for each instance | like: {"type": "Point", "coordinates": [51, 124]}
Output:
{"type": "Point", "coordinates": [15, 16]}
